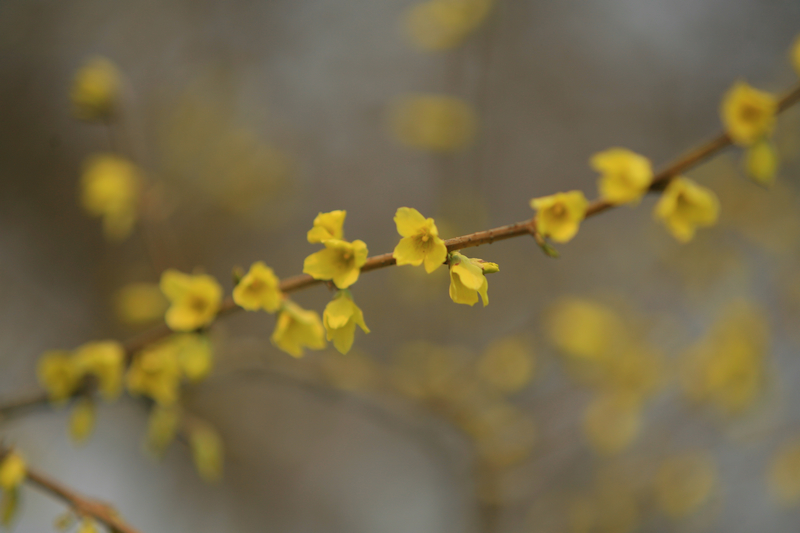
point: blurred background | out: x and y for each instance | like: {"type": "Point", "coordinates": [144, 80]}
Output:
{"type": "Point", "coordinates": [634, 384]}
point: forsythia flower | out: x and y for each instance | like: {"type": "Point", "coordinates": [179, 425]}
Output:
{"type": "Point", "coordinates": [12, 471]}
{"type": "Point", "coordinates": [195, 299]}
{"type": "Point", "coordinates": [81, 420]}
{"type": "Point", "coordinates": [626, 175]}
{"type": "Point", "coordinates": [95, 90]}
{"type": "Point", "coordinates": [748, 114]}
{"type": "Point", "coordinates": [467, 279]}
{"type": "Point", "coordinates": [258, 289]}
{"type": "Point", "coordinates": [761, 162]}
{"type": "Point", "coordinates": [420, 242]}
{"type": "Point", "coordinates": [58, 374]}
{"type": "Point", "coordinates": [105, 361]}
{"type": "Point", "coordinates": [795, 55]}
{"type": "Point", "coordinates": [327, 226]}
{"type": "Point", "coordinates": [139, 303]}
{"type": "Point", "coordinates": [194, 355]}
{"type": "Point", "coordinates": [684, 206]}
{"type": "Point", "coordinates": [442, 24]}
{"type": "Point", "coordinates": [340, 319]}
{"type": "Point", "coordinates": [684, 483]}
{"type": "Point", "coordinates": [162, 426]}
{"type": "Point", "coordinates": [207, 453]}
{"type": "Point", "coordinates": [559, 215]}
{"type": "Point", "coordinates": [340, 261]}
{"type": "Point", "coordinates": [88, 526]}
{"type": "Point", "coordinates": [110, 189]}
{"type": "Point", "coordinates": [433, 122]}
{"type": "Point", "coordinates": [156, 373]}
{"type": "Point", "coordinates": [297, 328]}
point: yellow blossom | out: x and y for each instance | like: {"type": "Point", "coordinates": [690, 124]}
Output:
{"type": "Point", "coordinates": [206, 446]}
{"type": "Point", "coordinates": [625, 175]}
{"type": "Point", "coordinates": [340, 318]}
{"type": "Point", "coordinates": [584, 329]}
{"type": "Point", "coordinates": [794, 55]}
{"type": "Point", "coordinates": [559, 216]}
{"type": "Point", "coordinates": [162, 426]}
{"type": "Point", "coordinates": [327, 226]}
{"type": "Point", "coordinates": [195, 299]}
{"type": "Point", "coordinates": [81, 419]}
{"type": "Point", "coordinates": [105, 361]}
{"type": "Point", "coordinates": [58, 374]}
{"type": "Point", "coordinates": [340, 261]}
{"type": "Point", "coordinates": [433, 122]}
{"type": "Point", "coordinates": [297, 328]}
{"type": "Point", "coordinates": [195, 355]}
{"type": "Point", "coordinates": [96, 90]}
{"type": "Point", "coordinates": [761, 162]}
{"type": "Point", "coordinates": [156, 373]}
{"type": "Point", "coordinates": [88, 526]}
{"type": "Point", "coordinates": [467, 279]}
{"type": "Point", "coordinates": [110, 189]}
{"type": "Point", "coordinates": [12, 471]}
{"type": "Point", "coordinates": [612, 422]}
{"type": "Point", "coordinates": [258, 289]}
{"type": "Point", "coordinates": [507, 364]}
{"type": "Point", "coordinates": [684, 206]}
{"type": "Point", "coordinates": [684, 483]}
{"type": "Point", "coordinates": [420, 242]}
{"type": "Point", "coordinates": [443, 24]}
{"type": "Point", "coordinates": [748, 114]}
{"type": "Point", "coordinates": [784, 473]}
{"type": "Point", "coordinates": [140, 303]}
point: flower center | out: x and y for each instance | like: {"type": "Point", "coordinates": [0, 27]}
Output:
{"type": "Point", "coordinates": [346, 256]}
{"type": "Point", "coordinates": [425, 237]}
{"type": "Point", "coordinates": [558, 210]}
{"type": "Point", "coordinates": [198, 304]}
{"type": "Point", "coordinates": [749, 113]}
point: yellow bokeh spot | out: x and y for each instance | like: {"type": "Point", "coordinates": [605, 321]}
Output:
{"type": "Point", "coordinates": [206, 446]}
{"type": "Point", "coordinates": [105, 360]}
{"type": "Point", "coordinates": [584, 329]}
{"type": "Point", "coordinates": [612, 422]}
{"type": "Point", "coordinates": [162, 426]}
{"type": "Point", "coordinates": [156, 373]}
{"type": "Point", "coordinates": [82, 420]}
{"type": "Point", "coordinates": [96, 90]}
{"type": "Point", "coordinates": [761, 162]}
{"type": "Point", "coordinates": [139, 303]}
{"type": "Point", "coordinates": [507, 364]}
{"type": "Point", "coordinates": [433, 122]}
{"type": "Point", "coordinates": [444, 24]}
{"type": "Point", "coordinates": [12, 471]}
{"type": "Point", "coordinates": [684, 483]}
{"type": "Point", "coordinates": [110, 188]}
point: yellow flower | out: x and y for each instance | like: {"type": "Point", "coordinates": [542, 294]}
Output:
{"type": "Point", "coordinates": [58, 374]}
{"type": "Point", "coordinates": [206, 446]}
{"type": "Point", "coordinates": [194, 355]}
{"type": "Point", "coordinates": [110, 188]}
{"type": "Point", "coordinates": [81, 420]}
{"type": "Point", "coordinates": [340, 261]}
{"type": "Point", "coordinates": [794, 54]}
{"type": "Point", "coordinates": [443, 24]}
{"type": "Point", "coordinates": [748, 114]}
{"type": "Point", "coordinates": [105, 361]}
{"type": "Point", "coordinates": [327, 226]}
{"type": "Point", "coordinates": [297, 328]}
{"type": "Point", "coordinates": [684, 483]}
{"type": "Point", "coordinates": [88, 526]}
{"type": "Point", "coordinates": [96, 89]}
{"type": "Point", "coordinates": [559, 216]}
{"type": "Point", "coordinates": [162, 426]}
{"type": "Point", "coordinates": [761, 162]}
{"type": "Point", "coordinates": [626, 175]}
{"type": "Point", "coordinates": [139, 303]}
{"type": "Point", "coordinates": [784, 473]}
{"type": "Point", "coordinates": [467, 279]}
{"type": "Point", "coordinates": [195, 299]}
{"type": "Point", "coordinates": [420, 242]}
{"type": "Point", "coordinates": [156, 373]}
{"type": "Point", "coordinates": [507, 365]}
{"type": "Point", "coordinates": [340, 319]}
{"type": "Point", "coordinates": [258, 289]}
{"type": "Point", "coordinates": [684, 206]}
{"type": "Point", "coordinates": [612, 422]}
{"type": "Point", "coordinates": [433, 122]}
{"type": "Point", "coordinates": [12, 471]}
{"type": "Point", "coordinates": [584, 329]}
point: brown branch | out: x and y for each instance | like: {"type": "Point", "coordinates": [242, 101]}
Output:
{"type": "Point", "coordinates": [84, 507]}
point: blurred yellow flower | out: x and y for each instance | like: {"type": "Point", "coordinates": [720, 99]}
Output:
{"type": "Point", "coordinates": [139, 303]}
{"type": "Point", "coordinates": [625, 175]}
{"type": "Point", "coordinates": [298, 328]}
{"type": "Point", "coordinates": [340, 318]}
{"type": "Point", "coordinates": [467, 279]}
{"type": "Point", "coordinates": [162, 426]}
{"type": "Point", "coordinates": [748, 114]}
{"type": "Point", "coordinates": [88, 526]}
{"type": "Point", "coordinates": [258, 289]}
{"type": "Point", "coordinates": [340, 261]}
{"type": "Point", "coordinates": [105, 360]}
{"type": "Point", "coordinates": [58, 374]}
{"type": "Point", "coordinates": [81, 420]}
{"type": "Point", "coordinates": [195, 299]}
{"type": "Point", "coordinates": [761, 162]}
{"type": "Point", "coordinates": [110, 187]}
{"type": "Point", "coordinates": [96, 90]}
{"type": "Point", "coordinates": [327, 226]}
{"type": "Point", "coordinates": [507, 364]}
{"type": "Point", "coordinates": [559, 216]}
{"type": "Point", "coordinates": [683, 483]}
{"type": "Point", "coordinates": [433, 122]}
{"type": "Point", "coordinates": [207, 453]}
{"type": "Point", "coordinates": [684, 206]}
{"type": "Point", "coordinates": [12, 471]}
{"type": "Point", "coordinates": [443, 24]}
{"type": "Point", "coordinates": [612, 422]}
{"type": "Point", "coordinates": [420, 242]}
{"type": "Point", "coordinates": [584, 329]}
{"type": "Point", "coordinates": [794, 55]}
{"type": "Point", "coordinates": [156, 373]}
{"type": "Point", "coordinates": [195, 355]}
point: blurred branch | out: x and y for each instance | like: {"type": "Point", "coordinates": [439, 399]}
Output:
{"type": "Point", "coordinates": [100, 511]}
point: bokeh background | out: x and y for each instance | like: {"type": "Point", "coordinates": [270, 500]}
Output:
{"type": "Point", "coordinates": [249, 118]}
